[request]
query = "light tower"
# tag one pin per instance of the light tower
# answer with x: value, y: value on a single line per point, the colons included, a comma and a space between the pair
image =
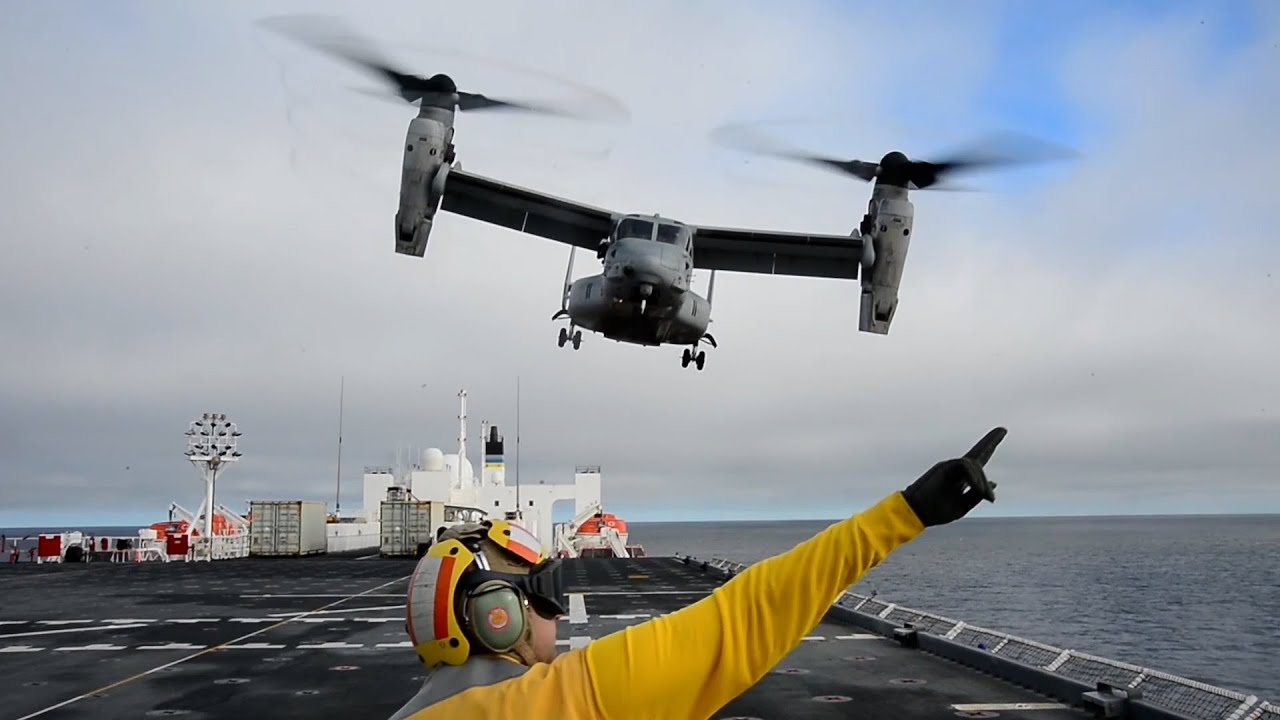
x: 211, y: 443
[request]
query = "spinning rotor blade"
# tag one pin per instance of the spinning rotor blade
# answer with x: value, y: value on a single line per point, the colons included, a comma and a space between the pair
x: 895, y: 168
x: 331, y: 36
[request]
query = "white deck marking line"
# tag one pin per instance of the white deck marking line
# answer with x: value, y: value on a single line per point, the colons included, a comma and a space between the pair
x: 344, y: 610
x: 14, y: 622
x: 562, y: 642
x: 190, y: 621
x: 330, y: 595
x: 366, y: 557
x: 579, y: 641
x: 19, y: 649
x: 859, y: 636
x: 255, y: 646
x: 814, y: 637
x: 172, y: 646
x: 93, y: 646
x: 332, y: 645
x: 984, y: 707
x: 577, y: 609
x: 634, y: 616
x: 200, y: 653
x: 130, y: 620
x: 401, y: 644
x: 31, y: 633
x: 62, y: 622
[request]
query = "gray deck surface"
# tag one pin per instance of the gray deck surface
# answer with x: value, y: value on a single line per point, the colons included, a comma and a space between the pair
x: 324, y: 637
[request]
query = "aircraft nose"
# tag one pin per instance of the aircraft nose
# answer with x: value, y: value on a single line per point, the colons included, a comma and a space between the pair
x: 646, y: 264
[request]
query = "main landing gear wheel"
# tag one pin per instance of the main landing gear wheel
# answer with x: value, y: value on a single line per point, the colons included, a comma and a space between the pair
x: 564, y: 338
x: 698, y: 359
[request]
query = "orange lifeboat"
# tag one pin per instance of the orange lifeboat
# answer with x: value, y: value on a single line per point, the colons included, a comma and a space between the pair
x: 593, y: 524
x: 179, y: 527
x: 591, y: 541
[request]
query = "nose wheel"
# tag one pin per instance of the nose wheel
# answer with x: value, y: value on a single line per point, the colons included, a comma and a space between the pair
x: 698, y: 358
x: 565, y: 337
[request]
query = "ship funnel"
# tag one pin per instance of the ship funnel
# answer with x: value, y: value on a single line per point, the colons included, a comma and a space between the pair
x: 494, y: 463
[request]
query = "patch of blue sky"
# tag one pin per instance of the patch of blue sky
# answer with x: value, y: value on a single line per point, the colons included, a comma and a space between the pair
x: 1024, y: 89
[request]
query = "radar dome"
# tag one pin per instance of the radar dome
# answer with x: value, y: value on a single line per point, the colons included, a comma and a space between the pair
x: 451, y: 463
x: 433, y: 459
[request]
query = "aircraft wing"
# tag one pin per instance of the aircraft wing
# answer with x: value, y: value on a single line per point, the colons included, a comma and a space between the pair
x: 777, y: 253
x: 528, y: 211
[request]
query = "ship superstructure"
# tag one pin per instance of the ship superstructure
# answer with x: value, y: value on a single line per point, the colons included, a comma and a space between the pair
x: 402, y: 511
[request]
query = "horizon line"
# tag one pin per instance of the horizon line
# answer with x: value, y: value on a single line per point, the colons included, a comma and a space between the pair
x: 983, y: 518
x: 838, y: 519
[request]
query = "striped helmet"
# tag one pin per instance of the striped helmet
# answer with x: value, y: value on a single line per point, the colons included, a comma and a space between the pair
x: 465, y: 556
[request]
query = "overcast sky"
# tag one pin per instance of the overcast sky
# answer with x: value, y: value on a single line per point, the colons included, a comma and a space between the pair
x: 198, y: 215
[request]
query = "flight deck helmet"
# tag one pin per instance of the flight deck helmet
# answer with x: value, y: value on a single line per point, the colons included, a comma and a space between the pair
x: 474, y: 590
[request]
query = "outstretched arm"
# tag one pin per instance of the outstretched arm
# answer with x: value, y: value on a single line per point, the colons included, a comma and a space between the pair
x: 690, y: 663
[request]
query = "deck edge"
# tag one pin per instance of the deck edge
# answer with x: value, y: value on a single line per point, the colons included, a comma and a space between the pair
x: 1105, y: 699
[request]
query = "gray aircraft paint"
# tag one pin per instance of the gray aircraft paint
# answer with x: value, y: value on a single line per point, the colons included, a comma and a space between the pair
x: 643, y: 294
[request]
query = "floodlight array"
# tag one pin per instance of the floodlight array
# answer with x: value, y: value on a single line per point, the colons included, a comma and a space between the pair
x: 212, y: 437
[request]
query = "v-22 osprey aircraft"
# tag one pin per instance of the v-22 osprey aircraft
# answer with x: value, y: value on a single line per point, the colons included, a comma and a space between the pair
x: 643, y: 294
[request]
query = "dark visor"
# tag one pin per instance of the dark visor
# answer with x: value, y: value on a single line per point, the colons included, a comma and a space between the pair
x: 542, y: 586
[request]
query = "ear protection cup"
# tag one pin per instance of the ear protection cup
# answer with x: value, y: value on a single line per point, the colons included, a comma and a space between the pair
x: 495, y: 615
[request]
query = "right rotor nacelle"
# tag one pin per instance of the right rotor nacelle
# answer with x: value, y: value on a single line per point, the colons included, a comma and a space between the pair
x: 888, y: 228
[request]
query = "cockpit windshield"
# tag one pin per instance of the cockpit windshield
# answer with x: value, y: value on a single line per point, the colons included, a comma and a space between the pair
x: 635, y: 228
x: 671, y: 234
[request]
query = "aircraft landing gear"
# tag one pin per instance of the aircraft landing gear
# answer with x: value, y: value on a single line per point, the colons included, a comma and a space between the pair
x: 698, y: 358
x: 565, y: 337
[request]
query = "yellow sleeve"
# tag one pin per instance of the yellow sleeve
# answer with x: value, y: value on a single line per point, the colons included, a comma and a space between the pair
x: 692, y: 662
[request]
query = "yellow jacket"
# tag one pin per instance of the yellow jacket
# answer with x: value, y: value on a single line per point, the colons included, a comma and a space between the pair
x: 692, y: 662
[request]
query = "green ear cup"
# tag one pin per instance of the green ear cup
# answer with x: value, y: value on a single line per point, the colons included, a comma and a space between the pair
x: 497, y: 617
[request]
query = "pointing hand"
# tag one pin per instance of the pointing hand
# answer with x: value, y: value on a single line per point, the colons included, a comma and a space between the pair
x: 951, y: 488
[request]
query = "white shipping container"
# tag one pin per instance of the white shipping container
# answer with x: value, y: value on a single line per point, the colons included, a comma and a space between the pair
x: 287, y: 527
x: 405, y: 525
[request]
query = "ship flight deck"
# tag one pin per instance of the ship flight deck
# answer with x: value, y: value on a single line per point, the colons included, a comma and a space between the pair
x: 324, y: 637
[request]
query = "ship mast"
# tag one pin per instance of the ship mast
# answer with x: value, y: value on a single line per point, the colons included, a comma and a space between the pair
x: 517, y: 508
x: 337, y: 499
x: 462, y: 434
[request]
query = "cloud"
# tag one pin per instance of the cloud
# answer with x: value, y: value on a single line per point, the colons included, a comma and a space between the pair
x: 204, y: 223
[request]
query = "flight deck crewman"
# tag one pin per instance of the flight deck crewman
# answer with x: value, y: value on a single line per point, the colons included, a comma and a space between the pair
x: 483, y: 605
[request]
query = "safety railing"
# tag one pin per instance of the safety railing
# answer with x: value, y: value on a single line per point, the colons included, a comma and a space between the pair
x: 1169, y: 692
x: 1265, y: 711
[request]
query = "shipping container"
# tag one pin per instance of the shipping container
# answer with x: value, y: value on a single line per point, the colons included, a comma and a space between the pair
x: 406, y: 527
x: 286, y: 527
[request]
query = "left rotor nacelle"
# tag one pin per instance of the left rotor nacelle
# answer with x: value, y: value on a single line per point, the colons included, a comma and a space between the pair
x: 428, y: 153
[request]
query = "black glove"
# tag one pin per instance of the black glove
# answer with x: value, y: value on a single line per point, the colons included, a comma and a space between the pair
x: 950, y: 489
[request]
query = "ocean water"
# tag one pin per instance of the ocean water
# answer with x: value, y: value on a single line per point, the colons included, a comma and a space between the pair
x: 1198, y: 597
